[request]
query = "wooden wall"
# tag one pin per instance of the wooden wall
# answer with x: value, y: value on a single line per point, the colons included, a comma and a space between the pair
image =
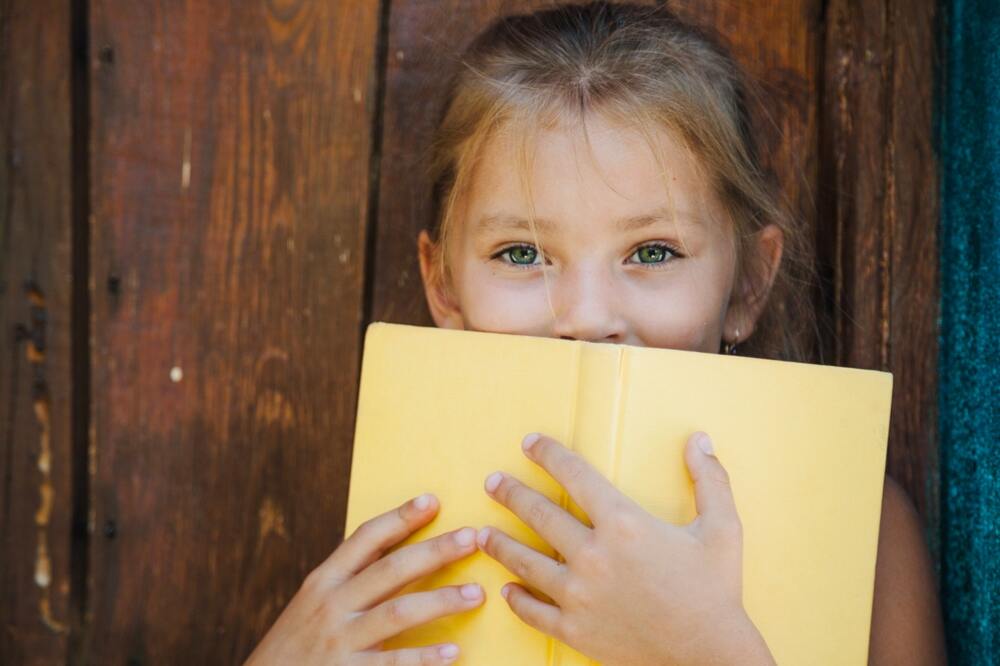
x: 202, y: 205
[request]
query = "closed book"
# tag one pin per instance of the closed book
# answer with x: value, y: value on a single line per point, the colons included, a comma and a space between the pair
x: 804, y: 445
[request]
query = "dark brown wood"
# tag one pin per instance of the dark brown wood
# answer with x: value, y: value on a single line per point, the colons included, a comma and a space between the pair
x: 877, y: 235
x: 776, y: 44
x: 425, y: 40
x: 230, y: 169
x: 36, y: 389
x: 912, y: 214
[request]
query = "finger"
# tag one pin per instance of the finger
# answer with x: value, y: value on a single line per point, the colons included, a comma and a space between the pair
x: 372, y: 538
x: 432, y: 655
x: 597, y: 496
x: 398, y: 614
x: 549, y: 520
x: 713, y: 493
x: 537, y: 569
x: 399, y: 568
x: 533, y: 611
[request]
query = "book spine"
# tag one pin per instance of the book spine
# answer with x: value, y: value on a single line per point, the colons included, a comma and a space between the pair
x: 593, y: 432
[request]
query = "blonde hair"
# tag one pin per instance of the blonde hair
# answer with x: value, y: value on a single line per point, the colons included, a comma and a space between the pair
x: 645, y: 67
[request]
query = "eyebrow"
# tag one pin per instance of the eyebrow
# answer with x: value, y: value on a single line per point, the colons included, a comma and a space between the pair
x: 506, y: 222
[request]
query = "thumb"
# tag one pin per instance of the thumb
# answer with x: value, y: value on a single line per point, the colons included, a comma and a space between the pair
x: 713, y: 494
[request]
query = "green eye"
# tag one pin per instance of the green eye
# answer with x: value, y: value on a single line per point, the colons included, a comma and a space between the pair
x: 651, y: 254
x: 522, y: 255
x: 654, y: 254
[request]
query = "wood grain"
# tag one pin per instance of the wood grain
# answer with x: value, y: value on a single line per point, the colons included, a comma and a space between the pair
x: 36, y: 389
x: 425, y: 41
x: 230, y: 165
x: 877, y: 234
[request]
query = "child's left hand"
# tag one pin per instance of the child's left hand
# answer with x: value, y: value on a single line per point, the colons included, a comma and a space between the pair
x: 633, y: 589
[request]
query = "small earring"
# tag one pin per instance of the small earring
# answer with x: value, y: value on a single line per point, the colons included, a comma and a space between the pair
x: 730, y: 347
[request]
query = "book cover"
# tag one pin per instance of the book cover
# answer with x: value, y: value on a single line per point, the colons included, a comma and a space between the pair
x: 804, y: 446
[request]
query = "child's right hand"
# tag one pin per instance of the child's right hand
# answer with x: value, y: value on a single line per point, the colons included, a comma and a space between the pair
x: 342, y: 612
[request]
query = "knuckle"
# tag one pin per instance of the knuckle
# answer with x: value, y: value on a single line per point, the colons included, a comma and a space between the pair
x: 575, y: 468
x: 313, y: 579
x: 325, y: 613
x: 332, y: 644
x: 524, y: 566
x: 366, y: 530
x: 512, y: 492
x: 496, y: 544
x: 627, y: 526
x: 573, y: 592
x: 733, y: 526
x: 727, y: 530
x: 718, y: 474
x: 566, y: 629
x: 391, y: 566
x: 316, y: 580
x: 398, y: 612
x: 538, y: 512
x: 442, y: 546
x: 591, y: 560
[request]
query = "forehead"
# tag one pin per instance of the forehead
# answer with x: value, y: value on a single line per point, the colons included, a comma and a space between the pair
x: 588, y: 169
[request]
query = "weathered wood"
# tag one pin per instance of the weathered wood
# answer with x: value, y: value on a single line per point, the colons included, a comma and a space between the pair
x: 36, y: 389
x: 877, y: 235
x: 776, y: 44
x: 425, y: 40
x: 230, y: 168
x: 912, y: 213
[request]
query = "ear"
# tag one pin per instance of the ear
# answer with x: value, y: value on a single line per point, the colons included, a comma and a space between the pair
x: 750, y: 291
x: 440, y: 302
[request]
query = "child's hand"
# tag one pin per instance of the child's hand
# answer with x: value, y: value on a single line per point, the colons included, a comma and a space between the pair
x: 341, y: 614
x: 633, y: 589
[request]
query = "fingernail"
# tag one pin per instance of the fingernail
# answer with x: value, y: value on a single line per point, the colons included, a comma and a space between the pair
x: 704, y: 443
x: 470, y: 591
x: 505, y: 590
x: 482, y: 537
x: 422, y: 502
x: 529, y: 441
x: 465, y: 536
x: 448, y: 651
x: 492, y: 481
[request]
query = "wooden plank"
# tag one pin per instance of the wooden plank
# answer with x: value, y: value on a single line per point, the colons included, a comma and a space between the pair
x: 912, y: 213
x: 425, y: 39
x: 230, y: 169
x: 776, y: 42
x: 36, y: 389
x: 878, y: 229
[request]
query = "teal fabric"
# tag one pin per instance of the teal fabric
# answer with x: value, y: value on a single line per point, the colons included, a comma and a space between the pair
x: 968, y: 124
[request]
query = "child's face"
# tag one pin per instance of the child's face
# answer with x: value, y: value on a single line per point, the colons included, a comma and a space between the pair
x: 619, y: 269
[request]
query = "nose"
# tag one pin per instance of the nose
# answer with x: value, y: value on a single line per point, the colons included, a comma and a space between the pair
x: 587, y: 306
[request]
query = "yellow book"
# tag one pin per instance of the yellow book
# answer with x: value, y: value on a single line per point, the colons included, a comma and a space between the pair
x: 804, y: 445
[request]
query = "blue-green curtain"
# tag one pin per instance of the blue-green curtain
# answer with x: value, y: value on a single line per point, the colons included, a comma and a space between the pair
x: 968, y: 139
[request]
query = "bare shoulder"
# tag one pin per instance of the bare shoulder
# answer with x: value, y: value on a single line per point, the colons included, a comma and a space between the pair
x: 906, y: 615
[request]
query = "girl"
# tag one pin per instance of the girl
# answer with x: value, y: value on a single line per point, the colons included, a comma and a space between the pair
x: 597, y: 179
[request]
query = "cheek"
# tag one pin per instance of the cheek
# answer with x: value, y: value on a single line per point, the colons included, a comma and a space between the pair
x: 684, y: 313
x: 502, y: 305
